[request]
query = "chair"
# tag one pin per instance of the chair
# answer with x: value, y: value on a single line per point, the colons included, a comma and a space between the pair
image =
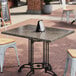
x: 66, y: 11
x: 4, y: 44
x: 71, y: 58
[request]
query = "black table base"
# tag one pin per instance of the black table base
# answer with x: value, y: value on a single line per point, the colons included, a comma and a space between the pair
x: 47, y: 67
x: 73, y: 21
x: 44, y: 65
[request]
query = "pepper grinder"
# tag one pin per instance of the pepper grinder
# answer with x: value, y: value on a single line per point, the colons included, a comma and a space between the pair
x: 40, y: 26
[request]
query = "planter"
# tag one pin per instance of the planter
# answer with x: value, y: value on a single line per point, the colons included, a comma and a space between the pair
x: 47, y: 9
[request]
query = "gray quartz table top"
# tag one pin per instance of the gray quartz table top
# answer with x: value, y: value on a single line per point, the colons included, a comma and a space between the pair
x: 29, y: 31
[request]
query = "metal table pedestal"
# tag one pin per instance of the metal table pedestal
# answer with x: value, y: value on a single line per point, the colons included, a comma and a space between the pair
x: 44, y: 65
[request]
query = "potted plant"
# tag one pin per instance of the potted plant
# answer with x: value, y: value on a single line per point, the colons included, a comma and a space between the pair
x: 10, y: 3
x: 47, y: 7
x: 0, y: 12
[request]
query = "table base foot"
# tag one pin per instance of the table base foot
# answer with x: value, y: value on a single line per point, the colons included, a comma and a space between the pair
x: 48, y: 69
x: 73, y: 21
x: 30, y: 72
x: 20, y: 69
x: 51, y: 73
x: 23, y: 66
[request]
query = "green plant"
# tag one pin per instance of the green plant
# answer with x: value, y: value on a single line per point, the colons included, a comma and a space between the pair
x: 0, y: 12
x: 47, y: 1
x: 9, y: 0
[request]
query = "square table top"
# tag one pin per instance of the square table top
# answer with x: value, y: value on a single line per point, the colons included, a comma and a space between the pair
x: 29, y: 31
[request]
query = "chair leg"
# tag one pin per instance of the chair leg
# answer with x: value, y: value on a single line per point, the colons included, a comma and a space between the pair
x: 16, y: 54
x: 67, y: 16
x: 62, y: 16
x: 73, y: 69
x: 2, y: 53
x: 1, y: 61
x: 66, y: 66
x: 75, y: 17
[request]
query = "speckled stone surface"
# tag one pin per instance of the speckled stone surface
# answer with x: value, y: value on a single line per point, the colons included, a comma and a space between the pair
x: 29, y: 31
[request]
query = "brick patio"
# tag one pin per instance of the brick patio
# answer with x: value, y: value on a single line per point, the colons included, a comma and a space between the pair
x: 58, y: 48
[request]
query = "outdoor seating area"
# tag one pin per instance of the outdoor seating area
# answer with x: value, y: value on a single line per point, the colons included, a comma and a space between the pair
x: 46, y: 52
